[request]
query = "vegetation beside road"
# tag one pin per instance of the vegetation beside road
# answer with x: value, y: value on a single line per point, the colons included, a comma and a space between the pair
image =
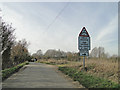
x: 7, y: 72
x: 12, y: 52
x: 98, y: 71
x: 88, y: 80
x: 53, y: 61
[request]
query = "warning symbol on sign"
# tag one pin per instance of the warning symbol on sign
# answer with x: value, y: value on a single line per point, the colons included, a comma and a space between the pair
x: 84, y: 33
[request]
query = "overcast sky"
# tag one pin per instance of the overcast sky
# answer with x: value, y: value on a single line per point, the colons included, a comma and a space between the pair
x: 56, y: 25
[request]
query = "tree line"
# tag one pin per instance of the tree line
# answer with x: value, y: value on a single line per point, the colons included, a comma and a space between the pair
x: 96, y: 52
x: 13, y: 52
x: 55, y: 54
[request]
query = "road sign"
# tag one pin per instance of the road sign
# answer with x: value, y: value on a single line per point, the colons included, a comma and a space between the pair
x: 84, y: 52
x: 84, y: 44
x: 84, y: 33
x: 84, y: 40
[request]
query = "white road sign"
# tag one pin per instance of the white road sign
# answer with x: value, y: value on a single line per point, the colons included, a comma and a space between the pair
x: 84, y: 42
x: 84, y: 52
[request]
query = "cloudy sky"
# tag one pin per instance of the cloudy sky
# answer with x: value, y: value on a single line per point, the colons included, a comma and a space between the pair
x: 56, y: 25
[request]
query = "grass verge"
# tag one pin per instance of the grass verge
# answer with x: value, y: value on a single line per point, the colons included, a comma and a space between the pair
x: 7, y: 72
x: 88, y: 80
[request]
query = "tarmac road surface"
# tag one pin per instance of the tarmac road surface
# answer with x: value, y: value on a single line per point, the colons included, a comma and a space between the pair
x: 37, y: 75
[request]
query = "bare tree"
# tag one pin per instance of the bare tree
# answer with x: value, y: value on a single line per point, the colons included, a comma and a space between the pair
x: 7, y: 40
x: 51, y: 53
x: 69, y: 56
x: 94, y: 52
x: 39, y: 52
x: 19, y: 52
x: 99, y: 53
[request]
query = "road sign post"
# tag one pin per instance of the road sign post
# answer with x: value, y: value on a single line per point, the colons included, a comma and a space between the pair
x: 84, y: 44
x: 84, y: 62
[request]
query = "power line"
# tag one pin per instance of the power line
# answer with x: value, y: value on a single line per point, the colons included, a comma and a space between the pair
x: 57, y: 16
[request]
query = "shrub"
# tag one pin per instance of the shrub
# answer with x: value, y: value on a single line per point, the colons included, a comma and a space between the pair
x: 7, y: 72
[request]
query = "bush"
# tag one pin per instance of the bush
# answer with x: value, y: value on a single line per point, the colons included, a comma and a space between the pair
x: 7, y: 72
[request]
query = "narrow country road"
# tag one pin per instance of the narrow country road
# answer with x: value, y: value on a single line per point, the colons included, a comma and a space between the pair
x: 37, y: 75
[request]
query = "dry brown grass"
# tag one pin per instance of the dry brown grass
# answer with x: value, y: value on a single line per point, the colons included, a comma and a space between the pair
x: 53, y: 61
x: 100, y: 67
x: 104, y: 68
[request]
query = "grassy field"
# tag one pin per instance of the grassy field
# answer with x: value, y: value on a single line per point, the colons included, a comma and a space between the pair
x: 101, y: 68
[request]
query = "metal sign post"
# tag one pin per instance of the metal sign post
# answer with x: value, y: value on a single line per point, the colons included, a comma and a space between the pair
x: 84, y: 44
x: 84, y: 62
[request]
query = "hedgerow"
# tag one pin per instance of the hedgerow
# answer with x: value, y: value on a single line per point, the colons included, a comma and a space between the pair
x: 7, y: 72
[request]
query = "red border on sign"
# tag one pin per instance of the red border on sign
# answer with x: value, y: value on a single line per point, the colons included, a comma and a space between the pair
x: 84, y: 35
